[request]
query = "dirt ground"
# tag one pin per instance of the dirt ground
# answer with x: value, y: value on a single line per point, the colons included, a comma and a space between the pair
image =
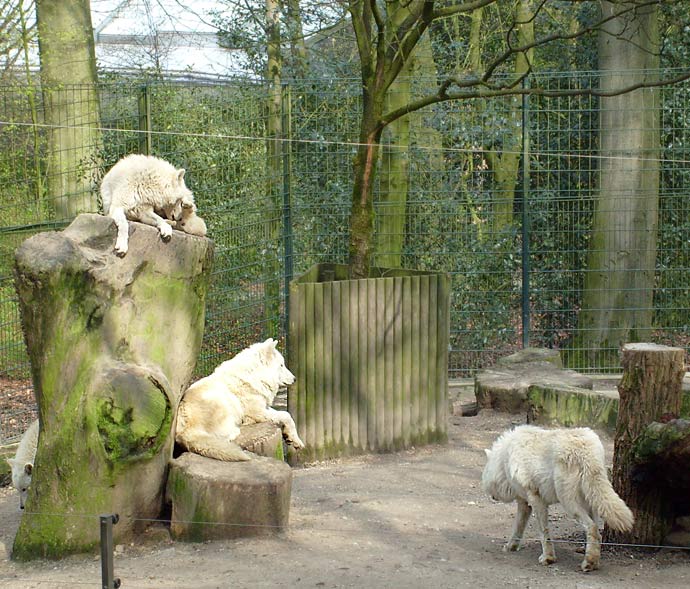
x: 414, y: 519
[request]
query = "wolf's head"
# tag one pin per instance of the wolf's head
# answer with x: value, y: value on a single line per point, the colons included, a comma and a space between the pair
x: 180, y: 196
x: 190, y: 222
x: 21, y: 478
x: 274, y: 361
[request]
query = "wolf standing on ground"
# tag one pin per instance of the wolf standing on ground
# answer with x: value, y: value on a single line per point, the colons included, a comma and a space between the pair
x: 238, y: 392
x: 23, y: 462
x: 539, y: 467
x: 142, y: 188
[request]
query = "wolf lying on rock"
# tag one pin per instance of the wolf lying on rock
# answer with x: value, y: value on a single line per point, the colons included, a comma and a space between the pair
x: 238, y: 392
x: 150, y: 190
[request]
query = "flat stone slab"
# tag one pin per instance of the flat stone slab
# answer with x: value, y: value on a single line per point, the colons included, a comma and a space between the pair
x: 505, y: 387
x: 531, y: 381
x: 214, y: 500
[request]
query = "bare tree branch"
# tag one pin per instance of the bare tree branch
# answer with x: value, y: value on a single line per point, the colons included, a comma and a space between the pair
x: 482, y: 91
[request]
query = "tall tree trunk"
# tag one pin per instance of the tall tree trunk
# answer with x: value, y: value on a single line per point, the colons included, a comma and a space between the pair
x: 619, y: 283
x: 505, y: 163
x: 298, y: 49
x: 366, y: 160
x: 394, y: 185
x: 274, y: 167
x: 650, y: 390
x: 68, y: 75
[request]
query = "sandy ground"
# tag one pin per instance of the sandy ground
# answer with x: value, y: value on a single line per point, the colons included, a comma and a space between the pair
x: 414, y: 519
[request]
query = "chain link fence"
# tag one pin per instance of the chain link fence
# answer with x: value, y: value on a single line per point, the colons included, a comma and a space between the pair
x: 453, y: 195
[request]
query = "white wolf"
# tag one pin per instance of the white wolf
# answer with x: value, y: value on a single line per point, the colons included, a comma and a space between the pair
x: 538, y: 467
x: 23, y: 462
x: 238, y: 392
x: 150, y: 190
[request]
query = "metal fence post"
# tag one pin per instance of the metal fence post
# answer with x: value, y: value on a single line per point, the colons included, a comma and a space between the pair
x: 145, y: 126
x: 108, y: 580
x: 525, y: 216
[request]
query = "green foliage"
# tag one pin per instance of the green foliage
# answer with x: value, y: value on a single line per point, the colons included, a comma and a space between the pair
x: 217, y: 132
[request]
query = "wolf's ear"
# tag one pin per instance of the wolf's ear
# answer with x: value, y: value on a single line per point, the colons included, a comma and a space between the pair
x: 180, y: 175
x: 28, y: 468
x: 487, y: 452
x: 270, y: 342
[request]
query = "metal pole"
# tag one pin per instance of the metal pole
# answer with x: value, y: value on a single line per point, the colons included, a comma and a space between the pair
x: 108, y: 580
x: 145, y: 123
x: 286, y: 150
x: 525, y: 217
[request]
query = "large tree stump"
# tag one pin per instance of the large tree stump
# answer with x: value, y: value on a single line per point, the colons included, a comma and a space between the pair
x: 650, y: 390
x: 113, y: 343
x: 213, y: 500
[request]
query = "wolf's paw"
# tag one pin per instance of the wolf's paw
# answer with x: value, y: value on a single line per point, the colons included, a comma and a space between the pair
x: 511, y: 546
x: 166, y: 231
x: 120, y: 249
x: 547, y: 559
x: 296, y: 443
x: 589, y: 565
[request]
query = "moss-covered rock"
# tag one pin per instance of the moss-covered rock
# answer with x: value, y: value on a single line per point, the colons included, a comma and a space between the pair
x: 572, y: 407
x: 113, y: 343
x: 505, y: 387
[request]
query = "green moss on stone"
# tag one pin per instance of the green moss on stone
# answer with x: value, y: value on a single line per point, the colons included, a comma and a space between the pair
x: 658, y: 437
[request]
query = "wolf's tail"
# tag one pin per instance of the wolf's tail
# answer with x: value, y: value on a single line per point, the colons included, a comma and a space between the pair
x: 211, y: 446
x: 606, y: 501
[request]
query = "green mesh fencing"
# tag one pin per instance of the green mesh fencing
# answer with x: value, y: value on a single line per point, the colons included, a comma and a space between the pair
x: 453, y: 195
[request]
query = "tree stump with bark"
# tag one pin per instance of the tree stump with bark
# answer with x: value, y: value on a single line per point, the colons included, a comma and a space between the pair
x: 214, y: 500
x: 113, y: 343
x: 650, y: 391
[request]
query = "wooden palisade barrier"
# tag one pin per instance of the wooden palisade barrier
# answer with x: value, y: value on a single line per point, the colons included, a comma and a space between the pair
x: 371, y: 360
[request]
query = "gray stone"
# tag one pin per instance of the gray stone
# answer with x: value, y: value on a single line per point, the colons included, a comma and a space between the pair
x: 505, y: 387
x: 530, y: 355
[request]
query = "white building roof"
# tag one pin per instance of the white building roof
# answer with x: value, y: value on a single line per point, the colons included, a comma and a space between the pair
x: 170, y: 35
x: 173, y: 36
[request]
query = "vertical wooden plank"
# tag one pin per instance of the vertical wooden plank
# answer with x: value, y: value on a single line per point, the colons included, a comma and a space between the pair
x: 364, y: 396
x: 296, y: 355
x: 423, y: 303
x: 388, y: 364
x: 408, y: 358
x: 304, y: 367
x: 432, y: 352
x: 415, y: 365
x: 399, y: 362
x: 336, y: 350
x: 327, y: 363
x: 345, y: 360
x: 442, y: 357
x: 318, y: 367
x: 375, y: 391
x: 309, y: 362
x: 355, y: 369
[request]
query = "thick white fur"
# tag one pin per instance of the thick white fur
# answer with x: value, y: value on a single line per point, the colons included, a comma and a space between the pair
x: 23, y: 462
x: 538, y: 467
x: 142, y: 188
x: 238, y: 392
